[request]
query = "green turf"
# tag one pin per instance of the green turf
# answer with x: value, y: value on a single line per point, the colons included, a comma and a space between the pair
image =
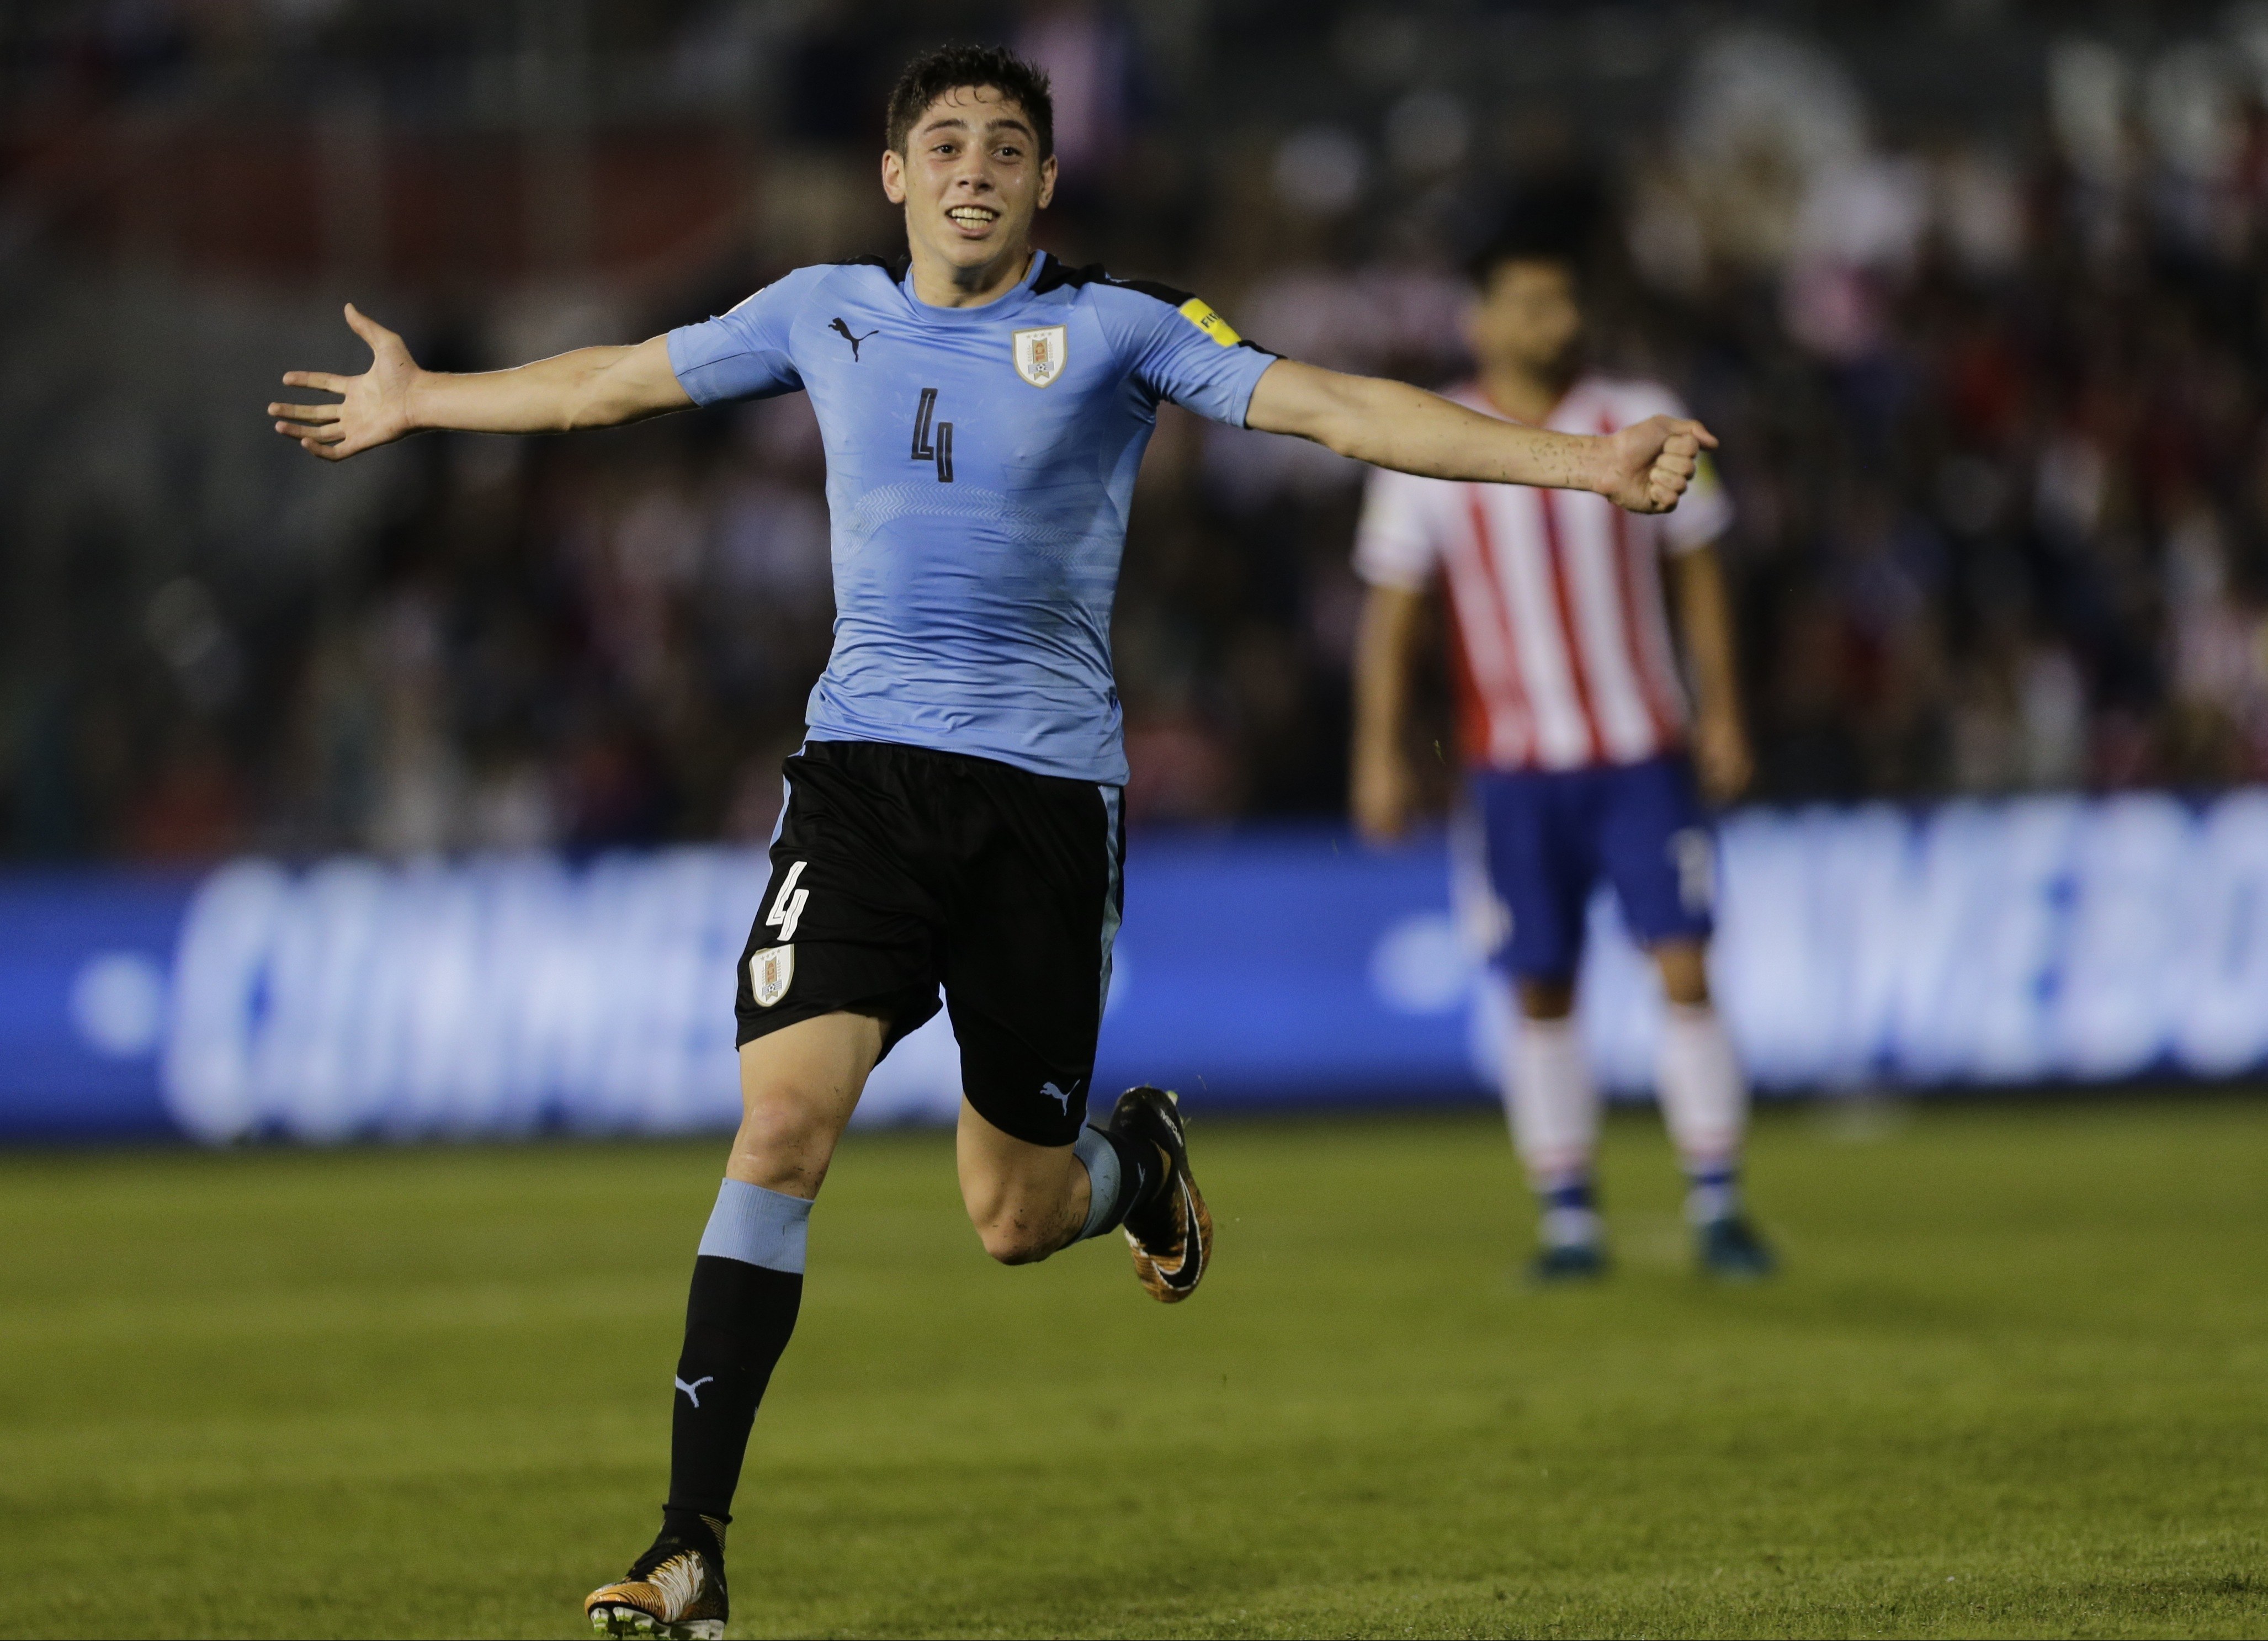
x: 2012, y: 1382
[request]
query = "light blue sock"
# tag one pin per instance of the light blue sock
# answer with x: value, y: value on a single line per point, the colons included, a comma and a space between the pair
x: 1713, y: 1193
x: 757, y: 1228
x: 1104, y: 1174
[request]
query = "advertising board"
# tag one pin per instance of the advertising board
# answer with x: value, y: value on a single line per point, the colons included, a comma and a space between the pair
x: 1974, y: 945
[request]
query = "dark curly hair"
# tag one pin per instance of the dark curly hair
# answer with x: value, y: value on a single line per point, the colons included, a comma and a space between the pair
x: 1555, y: 222
x: 950, y: 67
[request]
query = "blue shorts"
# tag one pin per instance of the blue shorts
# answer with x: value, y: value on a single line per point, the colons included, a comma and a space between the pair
x: 1553, y: 836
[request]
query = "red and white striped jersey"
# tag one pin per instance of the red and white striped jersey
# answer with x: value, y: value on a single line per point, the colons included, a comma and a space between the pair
x: 1563, y: 654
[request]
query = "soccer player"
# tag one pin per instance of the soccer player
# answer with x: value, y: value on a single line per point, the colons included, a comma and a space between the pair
x: 1575, y: 728
x: 955, y: 817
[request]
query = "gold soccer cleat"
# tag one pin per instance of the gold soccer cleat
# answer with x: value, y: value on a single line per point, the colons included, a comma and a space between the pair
x: 1170, y: 1236
x: 675, y: 1590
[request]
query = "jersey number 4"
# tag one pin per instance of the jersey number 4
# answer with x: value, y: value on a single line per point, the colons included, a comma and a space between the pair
x: 787, y: 905
x: 939, y: 449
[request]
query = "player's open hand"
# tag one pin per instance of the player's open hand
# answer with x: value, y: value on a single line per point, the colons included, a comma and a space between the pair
x: 373, y: 407
x: 1653, y: 460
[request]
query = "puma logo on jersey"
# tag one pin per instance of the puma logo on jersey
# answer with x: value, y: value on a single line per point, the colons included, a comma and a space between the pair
x: 1057, y: 1095
x: 693, y: 1390
x: 843, y: 331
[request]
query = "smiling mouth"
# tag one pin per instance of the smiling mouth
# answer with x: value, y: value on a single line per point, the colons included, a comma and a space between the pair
x: 973, y: 216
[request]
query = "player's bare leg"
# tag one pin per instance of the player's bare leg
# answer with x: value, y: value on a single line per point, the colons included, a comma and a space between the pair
x: 799, y: 1085
x: 1028, y: 1201
x: 1705, y: 1102
x: 798, y: 1088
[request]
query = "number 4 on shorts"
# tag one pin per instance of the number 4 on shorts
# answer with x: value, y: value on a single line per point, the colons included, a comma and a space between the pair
x: 787, y: 905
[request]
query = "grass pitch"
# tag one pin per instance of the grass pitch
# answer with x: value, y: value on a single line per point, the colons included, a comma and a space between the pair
x: 2012, y: 1383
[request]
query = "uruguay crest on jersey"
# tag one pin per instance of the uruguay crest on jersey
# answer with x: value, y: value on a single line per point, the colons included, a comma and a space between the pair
x: 770, y: 973
x: 1040, y: 353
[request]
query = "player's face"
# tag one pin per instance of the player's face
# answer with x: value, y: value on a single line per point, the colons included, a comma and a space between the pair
x: 971, y: 177
x: 1528, y: 317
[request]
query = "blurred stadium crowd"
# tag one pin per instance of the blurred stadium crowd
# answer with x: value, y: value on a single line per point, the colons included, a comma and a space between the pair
x: 1973, y: 294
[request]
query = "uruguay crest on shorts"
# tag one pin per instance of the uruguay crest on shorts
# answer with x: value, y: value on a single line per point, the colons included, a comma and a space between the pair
x: 770, y: 973
x: 1039, y: 354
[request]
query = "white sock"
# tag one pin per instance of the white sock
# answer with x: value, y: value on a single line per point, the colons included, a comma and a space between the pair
x: 1552, y: 1106
x: 1704, y: 1101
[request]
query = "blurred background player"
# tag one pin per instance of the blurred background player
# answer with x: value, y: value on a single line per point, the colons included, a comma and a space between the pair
x: 1580, y: 747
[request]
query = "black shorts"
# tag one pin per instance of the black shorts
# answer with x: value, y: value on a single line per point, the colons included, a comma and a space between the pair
x: 897, y: 869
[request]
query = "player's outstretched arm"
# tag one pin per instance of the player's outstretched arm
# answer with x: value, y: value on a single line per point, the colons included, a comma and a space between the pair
x: 1645, y: 468
x: 589, y: 387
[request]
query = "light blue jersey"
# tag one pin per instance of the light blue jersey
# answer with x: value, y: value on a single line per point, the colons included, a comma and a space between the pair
x: 980, y: 465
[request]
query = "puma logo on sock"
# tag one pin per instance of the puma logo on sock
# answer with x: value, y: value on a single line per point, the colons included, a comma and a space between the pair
x: 693, y: 1390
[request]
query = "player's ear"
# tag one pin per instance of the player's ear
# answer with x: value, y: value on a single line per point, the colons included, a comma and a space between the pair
x: 1047, y: 181
x: 893, y: 177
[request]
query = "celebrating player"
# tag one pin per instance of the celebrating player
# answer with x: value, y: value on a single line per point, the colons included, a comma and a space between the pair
x: 955, y: 817
x: 1574, y: 727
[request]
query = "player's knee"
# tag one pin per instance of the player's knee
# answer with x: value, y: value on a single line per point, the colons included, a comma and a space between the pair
x: 1684, y: 968
x: 788, y: 1148
x: 1014, y: 1240
x: 1547, y: 999
x: 1012, y: 1222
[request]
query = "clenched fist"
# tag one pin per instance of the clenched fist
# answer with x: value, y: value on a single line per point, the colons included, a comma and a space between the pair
x: 1651, y: 462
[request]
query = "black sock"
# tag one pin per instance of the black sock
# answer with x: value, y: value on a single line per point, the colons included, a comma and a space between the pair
x: 737, y: 1321
x: 689, y: 1526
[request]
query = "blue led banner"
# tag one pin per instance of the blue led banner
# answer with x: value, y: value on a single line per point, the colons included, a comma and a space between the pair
x: 2051, y: 938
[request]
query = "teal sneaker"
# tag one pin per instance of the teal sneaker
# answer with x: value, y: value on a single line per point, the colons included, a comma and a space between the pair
x: 1567, y: 1263
x: 1730, y: 1251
